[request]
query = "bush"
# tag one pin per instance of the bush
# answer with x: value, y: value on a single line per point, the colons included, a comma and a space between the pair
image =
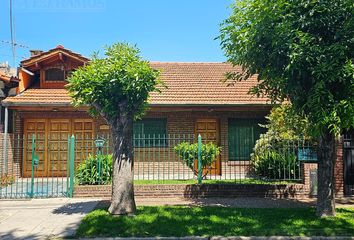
x: 189, y: 154
x: 6, y: 180
x: 275, y: 160
x: 87, y: 172
x: 275, y: 153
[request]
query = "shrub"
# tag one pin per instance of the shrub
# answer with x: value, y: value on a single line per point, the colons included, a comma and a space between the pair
x: 87, y: 172
x: 275, y: 159
x: 275, y: 153
x: 6, y: 180
x: 189, y: 154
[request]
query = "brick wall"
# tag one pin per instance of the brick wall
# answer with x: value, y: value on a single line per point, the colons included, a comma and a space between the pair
x: 163, y: 162
x: 14, y: 150
x: 339, y: 169
x: 180, y: 124
x: 197, y: 191
x: 11, y: 165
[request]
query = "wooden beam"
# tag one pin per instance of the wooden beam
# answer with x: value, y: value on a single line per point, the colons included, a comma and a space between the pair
x: 27, y: 71
x: 61, y: 57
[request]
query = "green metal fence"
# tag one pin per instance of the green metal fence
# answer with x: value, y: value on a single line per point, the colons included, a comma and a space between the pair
x: 28, y: 172
x: 33, y: 166
x: 156, y: 161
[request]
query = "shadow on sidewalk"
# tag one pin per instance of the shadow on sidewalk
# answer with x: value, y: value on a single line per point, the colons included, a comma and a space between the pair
x: 252, y: 202
x: 75, y: 208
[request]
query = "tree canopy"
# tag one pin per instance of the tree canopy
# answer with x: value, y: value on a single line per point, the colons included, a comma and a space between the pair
x: 120, y: 78
x: 302, y: 50
x: 285, y: 124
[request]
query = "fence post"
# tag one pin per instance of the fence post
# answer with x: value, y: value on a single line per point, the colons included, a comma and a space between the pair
x: 68, y: 162
x: 32, y: 167
x: 199, y: 159
x: 72, y: 165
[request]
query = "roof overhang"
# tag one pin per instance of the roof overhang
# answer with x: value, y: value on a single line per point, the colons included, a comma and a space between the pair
x: 31, y: 106
x: 58, y: 52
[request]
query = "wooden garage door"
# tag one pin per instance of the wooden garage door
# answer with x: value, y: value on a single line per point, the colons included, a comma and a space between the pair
x: 37, y: 128
x: 52, y: 144
x: 209, y: 130
x: 83, y: 132
x: 58, y: 134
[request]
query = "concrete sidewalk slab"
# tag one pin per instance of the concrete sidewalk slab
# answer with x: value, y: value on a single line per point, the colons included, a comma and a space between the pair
x: 42, y: 218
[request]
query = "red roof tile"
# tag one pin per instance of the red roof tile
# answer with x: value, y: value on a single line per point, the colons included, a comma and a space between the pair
x: 187, y: 84
x: 202, y: 83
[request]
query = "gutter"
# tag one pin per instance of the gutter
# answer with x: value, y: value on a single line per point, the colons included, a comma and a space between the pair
x: 212, y: 105
x: 61, y: 104
x: 29, y: 104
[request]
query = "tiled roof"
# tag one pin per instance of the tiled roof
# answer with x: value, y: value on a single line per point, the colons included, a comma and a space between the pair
x: 8, y: 77
x: 35, y: 97
x: 202, y: 83
x: 187, y: 84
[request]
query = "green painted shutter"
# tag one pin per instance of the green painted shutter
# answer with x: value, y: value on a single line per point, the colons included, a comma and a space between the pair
x: 243, y: 134
x: 152, y: 131
x: 138, y: 133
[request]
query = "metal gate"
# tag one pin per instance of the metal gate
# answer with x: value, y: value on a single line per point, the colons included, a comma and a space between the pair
x: 27, y: 171
x: 348, y: 164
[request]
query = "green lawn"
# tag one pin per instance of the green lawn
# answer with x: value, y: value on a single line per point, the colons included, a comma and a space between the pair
x: 211, y: 181
x: 215, y: 221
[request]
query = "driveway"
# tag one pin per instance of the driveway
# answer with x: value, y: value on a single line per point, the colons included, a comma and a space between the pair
x: 42, y: 218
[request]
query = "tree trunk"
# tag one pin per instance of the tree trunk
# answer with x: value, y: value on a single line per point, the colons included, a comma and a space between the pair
x: 123, y: 201
x: 326, y: 159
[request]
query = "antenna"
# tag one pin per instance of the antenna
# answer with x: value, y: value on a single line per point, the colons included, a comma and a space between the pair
x: 12, y: 36
x: 12, y: 41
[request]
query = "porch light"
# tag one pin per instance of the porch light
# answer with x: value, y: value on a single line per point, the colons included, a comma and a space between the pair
x: 99, y: 142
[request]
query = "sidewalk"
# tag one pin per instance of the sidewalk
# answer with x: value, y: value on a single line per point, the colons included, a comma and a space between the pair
x: 245, y: 202
x: 42, y: 218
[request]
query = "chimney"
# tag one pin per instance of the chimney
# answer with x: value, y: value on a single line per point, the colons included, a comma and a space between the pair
x: 35, y: 52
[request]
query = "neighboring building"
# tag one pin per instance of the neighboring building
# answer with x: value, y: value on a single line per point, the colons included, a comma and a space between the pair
x: 8, y: 87
x: 196, y: 101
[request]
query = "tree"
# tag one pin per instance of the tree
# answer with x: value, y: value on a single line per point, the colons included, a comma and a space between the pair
x: 302, y: 50
x: 117, y: 88
x: 277, y: 149
x: 285, y: 124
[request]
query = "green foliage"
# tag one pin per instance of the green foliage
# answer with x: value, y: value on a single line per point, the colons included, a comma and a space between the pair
x: 274, y: 154
x: 87, y: 173
x: 6, y: 180
x: 302, y: 50
x: 189, y: 153
x: 119, y: 83
x: 285, y: 124
x: 275, y: 160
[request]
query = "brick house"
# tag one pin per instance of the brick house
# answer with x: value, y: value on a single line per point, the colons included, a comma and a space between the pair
x: 196, y: 101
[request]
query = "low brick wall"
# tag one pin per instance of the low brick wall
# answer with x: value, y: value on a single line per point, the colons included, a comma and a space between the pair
x: 197, y: 191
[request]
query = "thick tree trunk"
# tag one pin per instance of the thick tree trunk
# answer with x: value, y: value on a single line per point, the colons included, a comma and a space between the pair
x: 123, y: 201
x: 326, y: 160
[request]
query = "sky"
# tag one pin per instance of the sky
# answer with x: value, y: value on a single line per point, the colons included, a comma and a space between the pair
x: 164, y: 30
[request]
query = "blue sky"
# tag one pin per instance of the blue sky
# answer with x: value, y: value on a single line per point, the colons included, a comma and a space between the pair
x: 164, y: 30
